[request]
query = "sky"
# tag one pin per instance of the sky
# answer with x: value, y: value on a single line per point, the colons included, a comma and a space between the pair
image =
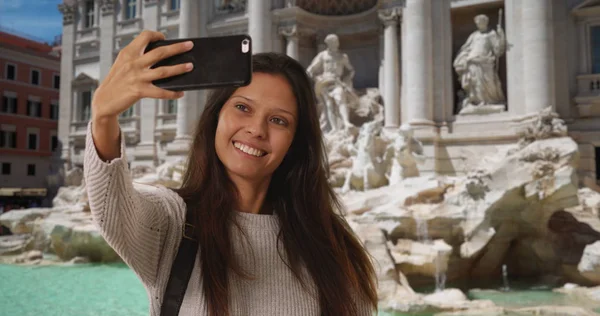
x: 39, y: 19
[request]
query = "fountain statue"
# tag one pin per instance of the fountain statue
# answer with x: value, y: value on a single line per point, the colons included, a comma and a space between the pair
x: 477, y: 68
x: 403, y: 154
x: 333, y: 73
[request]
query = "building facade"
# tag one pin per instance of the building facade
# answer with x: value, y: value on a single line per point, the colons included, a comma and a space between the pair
x: 29, y: 86
x: 409, y: 49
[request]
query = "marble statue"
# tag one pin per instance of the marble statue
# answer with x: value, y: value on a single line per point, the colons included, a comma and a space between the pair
x: 477, y: 68
x: 333, y: 74
x: 403, y: 156
x: 368, y: 169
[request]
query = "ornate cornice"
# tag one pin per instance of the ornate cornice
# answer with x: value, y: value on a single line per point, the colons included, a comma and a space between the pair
x: 68, y: 12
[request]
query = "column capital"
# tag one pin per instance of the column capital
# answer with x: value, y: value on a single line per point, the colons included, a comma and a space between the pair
x: 107, y: 7
x: 68, y: 12
x: 293, y: 31
x: 389, y: 16
x: 288, y: 30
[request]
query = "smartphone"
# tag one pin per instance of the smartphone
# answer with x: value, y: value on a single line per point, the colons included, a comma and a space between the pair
x: 220, y: 61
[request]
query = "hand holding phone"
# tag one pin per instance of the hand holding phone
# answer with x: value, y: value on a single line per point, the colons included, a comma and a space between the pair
x: 218, y: 62
x: 130, y: 77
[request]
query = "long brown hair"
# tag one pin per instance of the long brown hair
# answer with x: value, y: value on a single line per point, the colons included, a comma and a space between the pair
x: 313, y: 231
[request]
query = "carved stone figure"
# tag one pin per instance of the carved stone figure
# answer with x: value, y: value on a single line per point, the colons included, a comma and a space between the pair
x: 477, y: 68
x: 403, y: 156
x: 333, y: 74
x: 368, y: 169
x: 547, y: 124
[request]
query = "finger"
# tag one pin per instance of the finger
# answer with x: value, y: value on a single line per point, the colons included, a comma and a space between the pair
x: 167, y: 71
x: 152, y: 91
x: 139, y: 43
x: 152, y: 57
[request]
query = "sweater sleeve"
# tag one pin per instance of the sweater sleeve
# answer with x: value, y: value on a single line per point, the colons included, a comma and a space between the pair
x: 132, y: 218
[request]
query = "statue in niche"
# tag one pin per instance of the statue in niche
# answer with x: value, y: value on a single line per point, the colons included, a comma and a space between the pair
x: 403, y: 155
x: 477, y: 68
x: 333, y: 74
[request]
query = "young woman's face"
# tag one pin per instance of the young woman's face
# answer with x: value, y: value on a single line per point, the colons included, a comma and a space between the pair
x: 256, y: 127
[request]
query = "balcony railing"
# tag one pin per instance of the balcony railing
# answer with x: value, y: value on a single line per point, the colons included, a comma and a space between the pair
x: 88, y: 34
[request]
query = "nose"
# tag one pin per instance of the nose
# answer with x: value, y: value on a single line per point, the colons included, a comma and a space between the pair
x: 257, y: 127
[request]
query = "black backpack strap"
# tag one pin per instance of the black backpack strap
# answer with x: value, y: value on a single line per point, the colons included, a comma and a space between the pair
x: 181, y: 269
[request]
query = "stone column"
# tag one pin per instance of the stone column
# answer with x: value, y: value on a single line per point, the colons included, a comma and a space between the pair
x: 442, y: 91
x: 107, y: 37
x: 292, y: 48
x: 191, y: 24
x: 391, y: 74
x: 145, y: 151
x: 66, y: 102
x: 417, y: 57
x: 537, y: 54
x: 259, y: 25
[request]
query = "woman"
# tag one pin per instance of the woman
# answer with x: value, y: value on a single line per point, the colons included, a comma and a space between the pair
x: 270, y: 242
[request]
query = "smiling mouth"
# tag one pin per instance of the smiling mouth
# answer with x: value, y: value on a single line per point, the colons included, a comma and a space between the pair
x: 249, y: 150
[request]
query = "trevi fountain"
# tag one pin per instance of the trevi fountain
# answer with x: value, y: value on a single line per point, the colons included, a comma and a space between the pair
x: 517, y: 219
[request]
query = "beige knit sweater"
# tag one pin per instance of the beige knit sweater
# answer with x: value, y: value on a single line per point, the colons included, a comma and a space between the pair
x: 143, y: 223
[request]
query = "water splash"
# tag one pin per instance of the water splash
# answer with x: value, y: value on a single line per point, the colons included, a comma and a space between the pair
x: 422, y: 230
x: 423, y: 236
x: 506, y: 286
x: 440, y: 276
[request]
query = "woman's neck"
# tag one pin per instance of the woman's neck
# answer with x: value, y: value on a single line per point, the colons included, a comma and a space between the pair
x: 252, y: 196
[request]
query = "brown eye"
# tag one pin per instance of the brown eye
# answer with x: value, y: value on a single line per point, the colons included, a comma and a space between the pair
x: 241, y: 107
x: 279, y: 121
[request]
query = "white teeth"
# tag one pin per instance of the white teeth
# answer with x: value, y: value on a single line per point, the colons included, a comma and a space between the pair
x: 249, y: 150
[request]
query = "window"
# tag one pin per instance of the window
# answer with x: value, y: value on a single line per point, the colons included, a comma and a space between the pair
x: 130, y: 9
x: 9, y: 104
x: 89, y: 14
x: 597, y: 163
x: 54, y: 111
x: 8, y: 137
x: 11, y: 72
x: 595, y: 48
x: 31, y: 169
x: 172, y: 107
x: 35, y: 77
x: 34, y: 108
x: 174, y: 5
x: 32, y: 141
x: 86, y: 106
x: 54, y: 143
x: 56, y: 82
x: 6, y: 168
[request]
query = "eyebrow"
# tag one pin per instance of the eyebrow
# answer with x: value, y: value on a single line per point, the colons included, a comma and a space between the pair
x: 252, y: 101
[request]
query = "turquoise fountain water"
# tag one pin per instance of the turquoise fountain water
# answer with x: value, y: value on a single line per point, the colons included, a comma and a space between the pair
x: 80, y: 290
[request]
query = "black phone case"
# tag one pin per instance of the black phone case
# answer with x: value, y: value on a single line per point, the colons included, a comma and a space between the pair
x: 218, y: 62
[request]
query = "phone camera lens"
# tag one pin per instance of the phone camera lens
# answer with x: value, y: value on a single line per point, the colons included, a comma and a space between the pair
x: 245, y: 42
